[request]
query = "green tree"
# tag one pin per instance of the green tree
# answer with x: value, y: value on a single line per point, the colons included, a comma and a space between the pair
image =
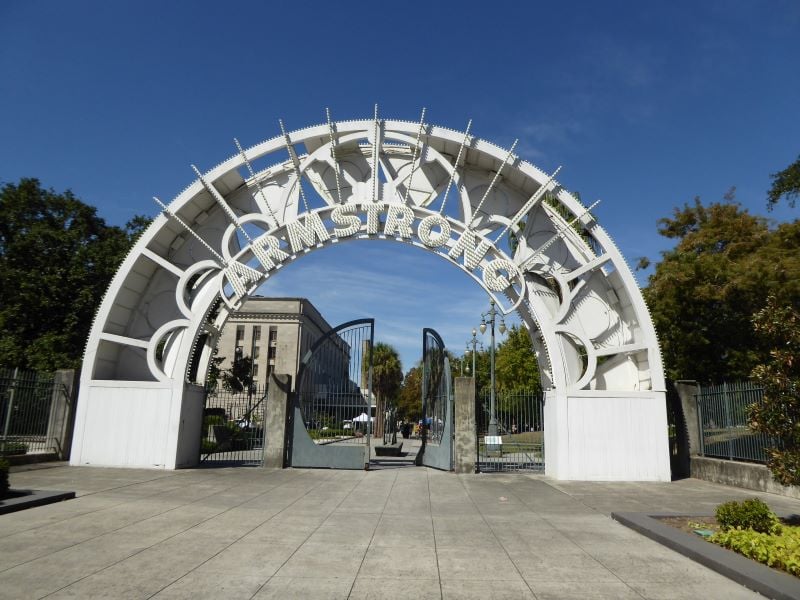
x: 704, y: 291
x: 778, y: 415
x: 409, y: 398
x: 57, y: 258
x: 387, y: 377
x: 516, y: 366
x: 238, y: 377
x: 785, y: 184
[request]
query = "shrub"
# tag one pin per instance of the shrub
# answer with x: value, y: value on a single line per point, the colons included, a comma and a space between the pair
x: 207, y: 446
x: 214, y: 420
x: 781, y: 551
x: 11, y: 448
x: 750, y: 514
x: 3, y: 477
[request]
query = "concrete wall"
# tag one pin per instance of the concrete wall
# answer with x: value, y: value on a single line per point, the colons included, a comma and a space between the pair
x: 742, y: 475
x: 464, y: 439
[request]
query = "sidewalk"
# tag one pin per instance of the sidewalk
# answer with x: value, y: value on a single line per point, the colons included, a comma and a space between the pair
x: 392, y: 533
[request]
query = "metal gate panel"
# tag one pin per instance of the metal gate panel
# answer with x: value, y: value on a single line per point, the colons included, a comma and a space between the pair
x: 519, y: 445
x: 233, y: 427
x: 437, y: 403
x: 331, y: 420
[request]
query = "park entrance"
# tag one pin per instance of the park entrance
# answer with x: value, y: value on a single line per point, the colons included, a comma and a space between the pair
x: 531, y: 245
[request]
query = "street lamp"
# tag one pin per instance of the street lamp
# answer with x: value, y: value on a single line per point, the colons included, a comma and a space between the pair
x: 474, y: 342
x: 490, y: 315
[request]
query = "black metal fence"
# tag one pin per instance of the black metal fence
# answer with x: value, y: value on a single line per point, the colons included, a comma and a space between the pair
x: 26, y: 399
x: 519, y: 443
x: 722, y: 415
x: 233, y: 427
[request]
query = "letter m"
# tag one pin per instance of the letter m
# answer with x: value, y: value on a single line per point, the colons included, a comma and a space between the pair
x: 308, y: 234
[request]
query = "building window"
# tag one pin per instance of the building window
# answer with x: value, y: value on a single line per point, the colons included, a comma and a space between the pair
x: 270, y: 369
x: 256, y: 333
x: 255, y: 371
x: 272, y: 352
x: 256, y: 352
x: 239, y: 334
x: 273, y: 334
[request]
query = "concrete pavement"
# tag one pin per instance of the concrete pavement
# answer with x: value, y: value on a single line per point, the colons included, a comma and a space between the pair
x: 392, y: 533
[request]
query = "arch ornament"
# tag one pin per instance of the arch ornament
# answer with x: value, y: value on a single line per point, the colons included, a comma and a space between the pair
x: 533, y: 246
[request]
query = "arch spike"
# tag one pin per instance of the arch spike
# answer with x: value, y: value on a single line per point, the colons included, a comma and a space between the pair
x: 560, y: 232
x: 526, y: 208
x: 221, y: 261
x: 494, y: 181
x: 221, y: 201
x: 333, y: 155
x: 257, y: 182
x: 414, y: 156
x: 295, y: 162
x: 455, y: 166
x: 376, y: 150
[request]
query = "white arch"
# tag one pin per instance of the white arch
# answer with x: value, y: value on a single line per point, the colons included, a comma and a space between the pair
x: 242, y: 220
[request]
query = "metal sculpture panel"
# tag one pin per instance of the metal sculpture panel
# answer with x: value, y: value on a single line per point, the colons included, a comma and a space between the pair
x: 533, y: 246
x: 332, y: 419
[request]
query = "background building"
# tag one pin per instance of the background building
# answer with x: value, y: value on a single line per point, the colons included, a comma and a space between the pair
x: 276, y: 332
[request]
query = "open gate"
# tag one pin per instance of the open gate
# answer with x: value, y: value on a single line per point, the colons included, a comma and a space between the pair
x: 233, y: 427
x: 331, y: 422
x: 437, y: 404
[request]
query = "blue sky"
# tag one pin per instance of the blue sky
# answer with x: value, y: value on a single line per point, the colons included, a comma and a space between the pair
x: 645, y: 105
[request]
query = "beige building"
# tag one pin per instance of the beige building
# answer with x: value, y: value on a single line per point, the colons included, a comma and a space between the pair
x: 277, y: 332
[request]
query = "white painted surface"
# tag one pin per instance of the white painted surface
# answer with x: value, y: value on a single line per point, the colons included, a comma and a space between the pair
x: 600, y: 437
x: 124, y: 427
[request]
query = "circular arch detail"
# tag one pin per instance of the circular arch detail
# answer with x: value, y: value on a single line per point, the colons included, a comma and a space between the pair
x: 533, y: 246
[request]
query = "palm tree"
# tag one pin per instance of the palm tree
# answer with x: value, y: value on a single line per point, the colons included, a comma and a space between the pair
x: 387, y: 377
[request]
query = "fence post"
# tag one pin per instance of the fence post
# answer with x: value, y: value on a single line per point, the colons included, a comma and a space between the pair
x: 688, y: 392
x: 59, y: 424
x: 276, y: 421
x: 10, y: 406
x: 466, y: 447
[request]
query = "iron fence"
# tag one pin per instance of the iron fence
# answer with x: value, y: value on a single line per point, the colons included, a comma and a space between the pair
x: 233, y: 427
x: 334, y: 388
x: 722, y: 420
x: 519, y: 445
x: 26, y: 398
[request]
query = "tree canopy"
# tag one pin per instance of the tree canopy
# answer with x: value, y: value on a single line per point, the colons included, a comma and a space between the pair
x: 785, y: 184
x: 57, y: 258
x: 704, y: 292
x: 387, y: 377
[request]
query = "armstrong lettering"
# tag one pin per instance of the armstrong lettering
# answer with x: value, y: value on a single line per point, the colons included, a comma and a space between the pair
x: 449, y: 238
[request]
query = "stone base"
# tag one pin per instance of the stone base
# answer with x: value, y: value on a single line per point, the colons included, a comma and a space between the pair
x: 391, y: 450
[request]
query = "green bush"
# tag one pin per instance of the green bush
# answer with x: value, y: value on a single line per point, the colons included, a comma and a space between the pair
x: 207, y: 446
x: 11, y: 448
x: 750, y: 514
x: 3, y: 477
x: 214, y: 420
x: 781, y: 550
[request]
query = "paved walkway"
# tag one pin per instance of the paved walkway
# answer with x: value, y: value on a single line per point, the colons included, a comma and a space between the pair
x: 395, y: 533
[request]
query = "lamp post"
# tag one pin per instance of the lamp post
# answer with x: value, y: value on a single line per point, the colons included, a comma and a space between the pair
x: 490, y: 316
x: 474, y: 342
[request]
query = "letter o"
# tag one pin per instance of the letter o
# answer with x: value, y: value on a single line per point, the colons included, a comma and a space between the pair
x: 494, y: 279
x: 426, y: 234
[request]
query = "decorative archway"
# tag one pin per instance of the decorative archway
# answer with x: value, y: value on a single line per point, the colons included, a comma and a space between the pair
x: 525, y: 239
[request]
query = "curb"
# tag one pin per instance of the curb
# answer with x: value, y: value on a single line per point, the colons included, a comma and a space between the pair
x: 31, y: 498
x: 747, y: 572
